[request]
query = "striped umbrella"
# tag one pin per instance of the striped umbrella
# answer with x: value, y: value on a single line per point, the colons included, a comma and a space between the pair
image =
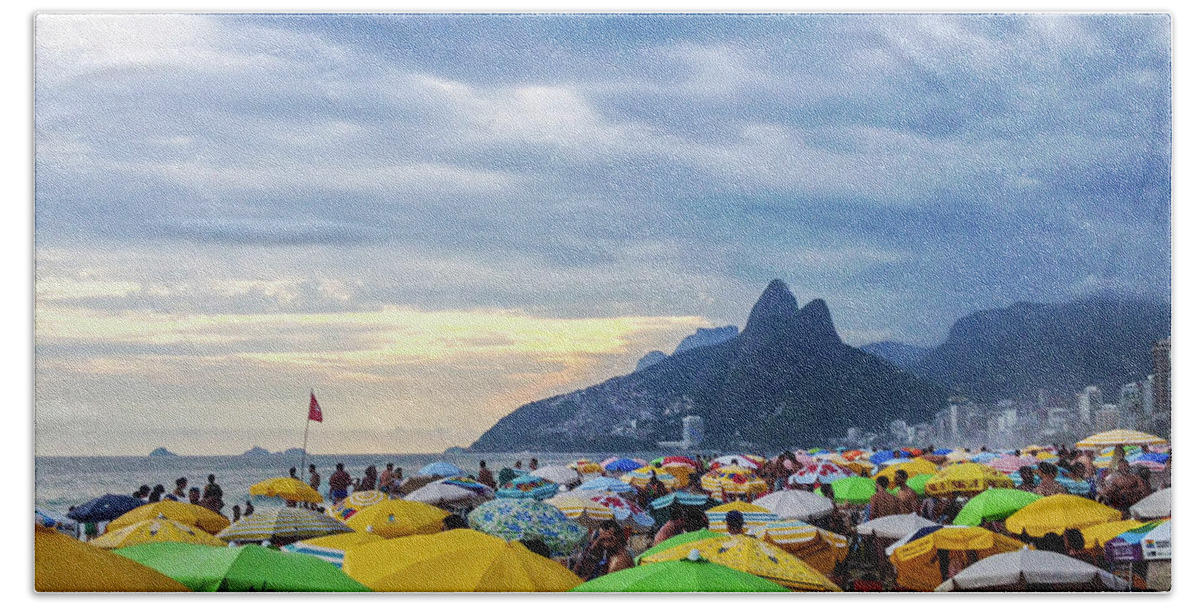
x: 528, y: 486
x: 587, y: 512
x: 332, y: 548
x: 586, y: 467
x: 1120, y: 437
x: 752, y: 515
x: 354, y: 503
x: 625, y: 511
x: 641, y: 477
x: 825, y: 472
x: 452, y: 492
x: 1149, y: 460
x: 733, y: 480
x: 281, y: 526
x: 819, y: 548
x: 607, y: 484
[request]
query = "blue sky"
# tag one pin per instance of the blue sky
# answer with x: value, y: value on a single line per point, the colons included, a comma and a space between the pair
x: 435, y: 218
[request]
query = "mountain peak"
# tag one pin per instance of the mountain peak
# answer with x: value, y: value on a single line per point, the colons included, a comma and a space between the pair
x: 817, y: 323
x: 775, y: 307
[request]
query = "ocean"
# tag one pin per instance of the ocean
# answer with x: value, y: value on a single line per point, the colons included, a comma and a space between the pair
x: 61, y: 482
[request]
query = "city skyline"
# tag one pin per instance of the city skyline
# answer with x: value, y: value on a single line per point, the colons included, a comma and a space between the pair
x: 434, y: 219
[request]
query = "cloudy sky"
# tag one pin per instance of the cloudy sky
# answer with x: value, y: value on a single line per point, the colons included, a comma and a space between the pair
x: 431, y: 220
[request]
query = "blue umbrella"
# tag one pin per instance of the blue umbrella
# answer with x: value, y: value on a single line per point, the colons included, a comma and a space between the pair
x: 684, y: 498
x: 441, y: 469
x: 105, y: 508
x: 607, y: 484
x: 528, y: 486
x: 882, y: 456
x: 942, y: 451
x: 623, y: 465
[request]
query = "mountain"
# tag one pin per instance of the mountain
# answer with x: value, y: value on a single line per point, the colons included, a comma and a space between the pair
x: 899, y: 354
x: 707, y: 337
x: 786, y: 380
x: 652, y: 357
x: 1014, y: 351
x: 162, y: 453
x: 256, y: 452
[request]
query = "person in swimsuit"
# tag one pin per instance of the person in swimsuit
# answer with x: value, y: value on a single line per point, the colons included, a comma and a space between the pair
x: 606, y: 554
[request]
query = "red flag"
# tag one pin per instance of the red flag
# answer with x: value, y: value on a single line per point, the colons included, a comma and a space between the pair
x: 314, y: 408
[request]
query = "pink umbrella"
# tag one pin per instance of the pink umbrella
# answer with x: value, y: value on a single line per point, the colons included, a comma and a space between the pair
x: 1008, y: 464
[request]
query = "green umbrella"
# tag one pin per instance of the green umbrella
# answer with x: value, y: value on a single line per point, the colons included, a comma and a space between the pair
x: 857, y: 490
x: 917, y: 483
x: 247, y: 568
x: 678, y: 539
x: 993, y: 504
x: 683, y: 575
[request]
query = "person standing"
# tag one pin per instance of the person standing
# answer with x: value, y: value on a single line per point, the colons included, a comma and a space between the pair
x: 485, y: 475
x: 314, y: 478
x: 370, y: 476
x: 338, y: 482
x: 909, y: 503
x: 213, y: 498
x: 1048, y: 486
x: 387, y: 477
x: 156, y: 493
x: 883, y: 503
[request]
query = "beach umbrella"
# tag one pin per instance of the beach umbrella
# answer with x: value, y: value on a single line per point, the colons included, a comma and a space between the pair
x: 455, y: 561
x: 804, y: 458
x: 640, y: 478
x: 1153, y: 506
x: 332, y: 548
x: 452, y: 492
x: 679, y: 539
x: 557, y: 474
x: 355, y: 502
x: 752, y: 556
x: 680, y: 460
x: 819, y: 548
x: 753, y: 515
x: 1095, y: 537
x: 587, y: 512
x: 796, y: 504
x: 686, y: 575
x: 287, y: 488
x: 1058, y: 513
x: 607, y: 484
x: 185, y: 513
x: 893, y: 527
x: 882, y: 456
x: 942, y: 451
x: 660, y: 508
x: 854, y: 454
x: 61, y: 563
x: 523, y: 518
x: 912, y: 467
x: 1030, y: 570
x: 984, y: 457
x: 825, y: 472
x: 1148, y: 541
x: 393, y: 518
x: 625, y: 511
x: 441, y: 469
x: 622, y: 465
x: 957, y: 456
x: 281, y: 526
x: 105, y: 508
x: 737, y: 460
x: 915, y: 557
x: 155, y: 530
x: 733, y: 480
x: 245, y: 568
x: 416, y: 482
x: 1009, y: 464
x: 993, y: 504
x: 528, y: 486
x: 1150, y: 460
x: 916, y: 483
x: 586, y: 467
x: 855, y: 490
x: 1119, y: 437
x: 965, y: 477
x: 52, y: 519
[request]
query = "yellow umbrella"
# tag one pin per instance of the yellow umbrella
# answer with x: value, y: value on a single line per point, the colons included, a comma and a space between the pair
x: 819, y: 548
x: 183, y: 512
x: 916, y: 467
x: 1058, y: 513
x: 1094, y: 537
x: 393, y: 518
x: 917, y: 564
x: 640, y: 478
x: 966, y: 477
x: 157, y: 530
x: 733, y: 480
x: 332, y: 548
x: 354, y: 503
x: 753, y: 515
x: 586, y: 467
x: 455, y: 561
x: 860, y: 466
x: 287, y: 488
x: 679, y: 470
x: 752, y: 556
x: 1120, y: 437
x: 61, y: 563
x: 587, y: 512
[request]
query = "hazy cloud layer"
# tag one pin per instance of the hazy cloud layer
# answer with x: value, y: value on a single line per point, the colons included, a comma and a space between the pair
x: 907, y: 168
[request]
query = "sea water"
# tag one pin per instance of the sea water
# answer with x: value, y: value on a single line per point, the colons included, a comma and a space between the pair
x: 61, y: 482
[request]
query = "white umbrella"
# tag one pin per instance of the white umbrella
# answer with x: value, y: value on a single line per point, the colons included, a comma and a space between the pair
x: 1154, y: 506
x: 894, y: 526
x: 558, y: 474
x: 796, y: 504
x: 1034, y: 570
x: 443, y: 493
x: 1156, y: 544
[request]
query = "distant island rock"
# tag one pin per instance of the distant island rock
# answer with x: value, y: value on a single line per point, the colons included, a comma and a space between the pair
x: 292, y: 453
x: 651, y: 358
x: 163, y: 453
x: 256, y: 452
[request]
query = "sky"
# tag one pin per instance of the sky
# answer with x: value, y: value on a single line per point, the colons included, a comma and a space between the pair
x: 430, y: 220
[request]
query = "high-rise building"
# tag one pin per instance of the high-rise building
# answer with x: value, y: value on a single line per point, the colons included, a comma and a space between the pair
x: 1107, y: 418
x: 693, y: 430
x: 1161, y: 356
x: 1088, y: 401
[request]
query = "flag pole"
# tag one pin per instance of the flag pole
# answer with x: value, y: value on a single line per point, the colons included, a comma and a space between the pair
x: 304, y: 450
